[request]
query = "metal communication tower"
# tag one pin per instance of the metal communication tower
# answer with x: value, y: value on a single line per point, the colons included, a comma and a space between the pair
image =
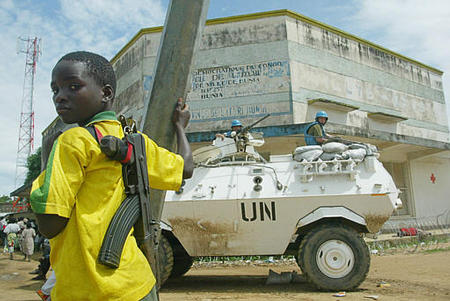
x: 26, y: 126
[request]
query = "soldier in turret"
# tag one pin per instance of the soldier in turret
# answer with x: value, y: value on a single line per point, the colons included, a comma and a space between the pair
x: 315, y: 133
x: 236, y: 126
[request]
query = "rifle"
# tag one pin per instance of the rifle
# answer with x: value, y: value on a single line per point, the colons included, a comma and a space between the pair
x: 135, y: 208
x: 249, y: 127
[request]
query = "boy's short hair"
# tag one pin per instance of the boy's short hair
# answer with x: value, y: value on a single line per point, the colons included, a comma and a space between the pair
x: 98, y: 67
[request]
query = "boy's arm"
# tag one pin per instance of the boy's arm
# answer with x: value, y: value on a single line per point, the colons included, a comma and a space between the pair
x: 180, y: 119
x: 57, y: 186
x: 51, y: 225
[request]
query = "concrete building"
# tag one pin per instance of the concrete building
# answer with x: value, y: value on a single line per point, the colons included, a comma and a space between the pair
x: 291, y: 66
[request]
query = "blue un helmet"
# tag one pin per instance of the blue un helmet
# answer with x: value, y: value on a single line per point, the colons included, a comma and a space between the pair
x: 236, y: 123
x: 321, y: 114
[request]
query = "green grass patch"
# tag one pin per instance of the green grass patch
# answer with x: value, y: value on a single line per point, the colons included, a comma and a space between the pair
x: 431, y: 251
x: 408, y: 243
x: 242, y: 258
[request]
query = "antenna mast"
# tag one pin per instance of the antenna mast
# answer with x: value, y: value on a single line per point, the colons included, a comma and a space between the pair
x: 26, y: 126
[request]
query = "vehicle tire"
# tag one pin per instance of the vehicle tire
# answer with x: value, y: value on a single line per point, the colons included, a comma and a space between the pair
x: 165, y: 254
x: 334, y: 257
x: 298, y: 260
x: 182, y: 262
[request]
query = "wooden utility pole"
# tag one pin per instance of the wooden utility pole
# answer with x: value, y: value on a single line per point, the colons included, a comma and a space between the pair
x: 180, y: 39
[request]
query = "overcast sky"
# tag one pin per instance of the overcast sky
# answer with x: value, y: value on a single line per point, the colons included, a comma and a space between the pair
x: 414, y: 28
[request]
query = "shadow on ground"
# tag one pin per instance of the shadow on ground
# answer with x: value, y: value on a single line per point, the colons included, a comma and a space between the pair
x: 240, y: 283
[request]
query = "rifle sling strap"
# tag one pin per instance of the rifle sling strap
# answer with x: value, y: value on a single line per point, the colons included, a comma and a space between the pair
x: 95, y: 132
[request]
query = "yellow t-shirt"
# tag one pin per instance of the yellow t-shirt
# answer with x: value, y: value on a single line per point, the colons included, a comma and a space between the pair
x: 83, y: 185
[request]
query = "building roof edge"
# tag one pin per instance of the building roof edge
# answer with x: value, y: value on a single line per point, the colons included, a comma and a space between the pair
x: 276, y: 13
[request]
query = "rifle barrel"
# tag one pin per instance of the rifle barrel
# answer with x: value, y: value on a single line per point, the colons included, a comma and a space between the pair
x: 255, y: 123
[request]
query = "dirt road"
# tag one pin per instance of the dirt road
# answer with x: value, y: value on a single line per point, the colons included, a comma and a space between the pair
x: 418, y: 276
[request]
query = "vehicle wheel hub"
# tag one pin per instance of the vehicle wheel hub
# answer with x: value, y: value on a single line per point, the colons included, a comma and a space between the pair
x: 335, y: 258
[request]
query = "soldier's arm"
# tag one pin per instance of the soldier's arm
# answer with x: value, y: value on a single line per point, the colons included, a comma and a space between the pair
x: 317, y: 133
x: 221, y: 136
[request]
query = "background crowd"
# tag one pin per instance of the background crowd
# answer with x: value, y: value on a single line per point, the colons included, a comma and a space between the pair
x: 21, y: 236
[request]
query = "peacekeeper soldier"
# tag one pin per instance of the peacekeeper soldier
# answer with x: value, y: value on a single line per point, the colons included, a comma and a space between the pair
x: 236, y: 126
x: 314, y: 132
x: 80, y: 190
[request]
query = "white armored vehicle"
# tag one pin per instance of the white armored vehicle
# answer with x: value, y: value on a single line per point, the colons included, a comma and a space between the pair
x: 313, y: 204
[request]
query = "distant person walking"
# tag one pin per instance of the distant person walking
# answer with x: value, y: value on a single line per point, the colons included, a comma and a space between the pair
x: 28, y: 235
x: 3, y: 224
x: 11, y: 231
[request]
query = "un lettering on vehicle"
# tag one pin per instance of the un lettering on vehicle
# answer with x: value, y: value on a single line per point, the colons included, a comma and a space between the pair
x: 258, y: 211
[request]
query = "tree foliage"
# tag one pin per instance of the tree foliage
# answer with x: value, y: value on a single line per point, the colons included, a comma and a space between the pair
x: 34, y: 167
x: 5, y: 199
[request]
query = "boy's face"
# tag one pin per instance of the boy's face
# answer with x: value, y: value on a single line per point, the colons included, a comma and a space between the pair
x: 76, y: 94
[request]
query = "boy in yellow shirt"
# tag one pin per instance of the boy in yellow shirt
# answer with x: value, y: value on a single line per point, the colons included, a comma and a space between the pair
x: 77, y: 194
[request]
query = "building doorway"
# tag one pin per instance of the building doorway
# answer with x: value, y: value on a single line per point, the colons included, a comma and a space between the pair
x: 400, y: 174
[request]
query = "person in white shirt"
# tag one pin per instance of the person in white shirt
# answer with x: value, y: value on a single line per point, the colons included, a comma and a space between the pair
x: 11, y: 231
